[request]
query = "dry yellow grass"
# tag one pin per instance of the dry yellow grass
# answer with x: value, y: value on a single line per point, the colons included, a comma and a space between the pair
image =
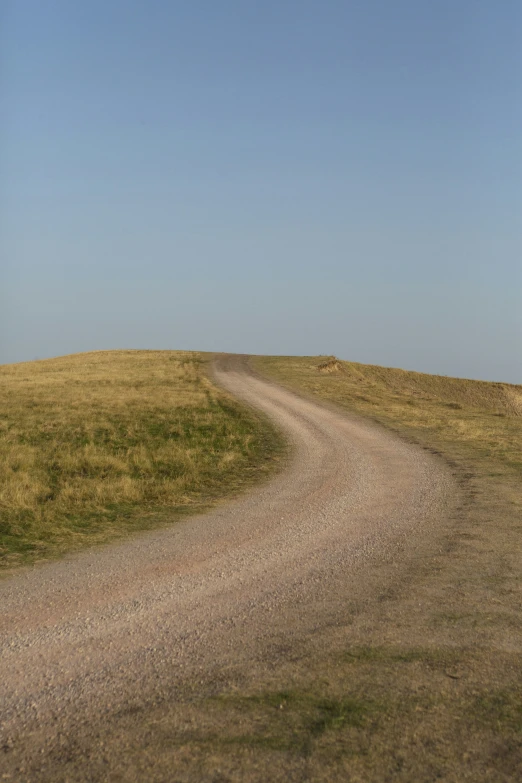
x: 94, y: 444
x: 483, y: 418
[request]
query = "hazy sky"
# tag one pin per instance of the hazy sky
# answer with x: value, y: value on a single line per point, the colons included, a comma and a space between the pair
x: 285, y: 176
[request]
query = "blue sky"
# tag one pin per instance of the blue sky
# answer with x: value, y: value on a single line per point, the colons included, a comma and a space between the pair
x: 281, y: 177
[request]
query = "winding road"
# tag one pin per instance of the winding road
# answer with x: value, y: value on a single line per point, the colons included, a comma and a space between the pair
x: 108, y: 632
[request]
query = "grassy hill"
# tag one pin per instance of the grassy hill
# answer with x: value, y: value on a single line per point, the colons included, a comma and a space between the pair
x: 97, y: 444
x: 422, y: 681
x: 463, y: 417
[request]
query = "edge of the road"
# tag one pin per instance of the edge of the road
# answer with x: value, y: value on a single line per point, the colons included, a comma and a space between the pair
x: 459, y: 472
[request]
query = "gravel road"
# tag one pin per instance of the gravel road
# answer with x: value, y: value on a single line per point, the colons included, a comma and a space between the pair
x: 107, y: 633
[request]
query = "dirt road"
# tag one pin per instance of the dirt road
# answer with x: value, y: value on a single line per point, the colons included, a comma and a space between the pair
x: 92, y: 644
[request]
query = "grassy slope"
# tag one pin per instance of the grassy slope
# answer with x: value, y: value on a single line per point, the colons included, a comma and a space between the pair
x: 95, y: 445
x: 475, y: 419
x: 423, y: 681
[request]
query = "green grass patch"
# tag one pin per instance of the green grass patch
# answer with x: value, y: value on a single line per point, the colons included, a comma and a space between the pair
x: 290, y: 719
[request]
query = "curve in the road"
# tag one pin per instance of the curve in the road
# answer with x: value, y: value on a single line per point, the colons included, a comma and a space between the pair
x: 84, y: 637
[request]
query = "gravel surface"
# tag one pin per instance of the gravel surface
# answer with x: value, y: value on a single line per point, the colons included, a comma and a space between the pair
x: 98, y: 635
